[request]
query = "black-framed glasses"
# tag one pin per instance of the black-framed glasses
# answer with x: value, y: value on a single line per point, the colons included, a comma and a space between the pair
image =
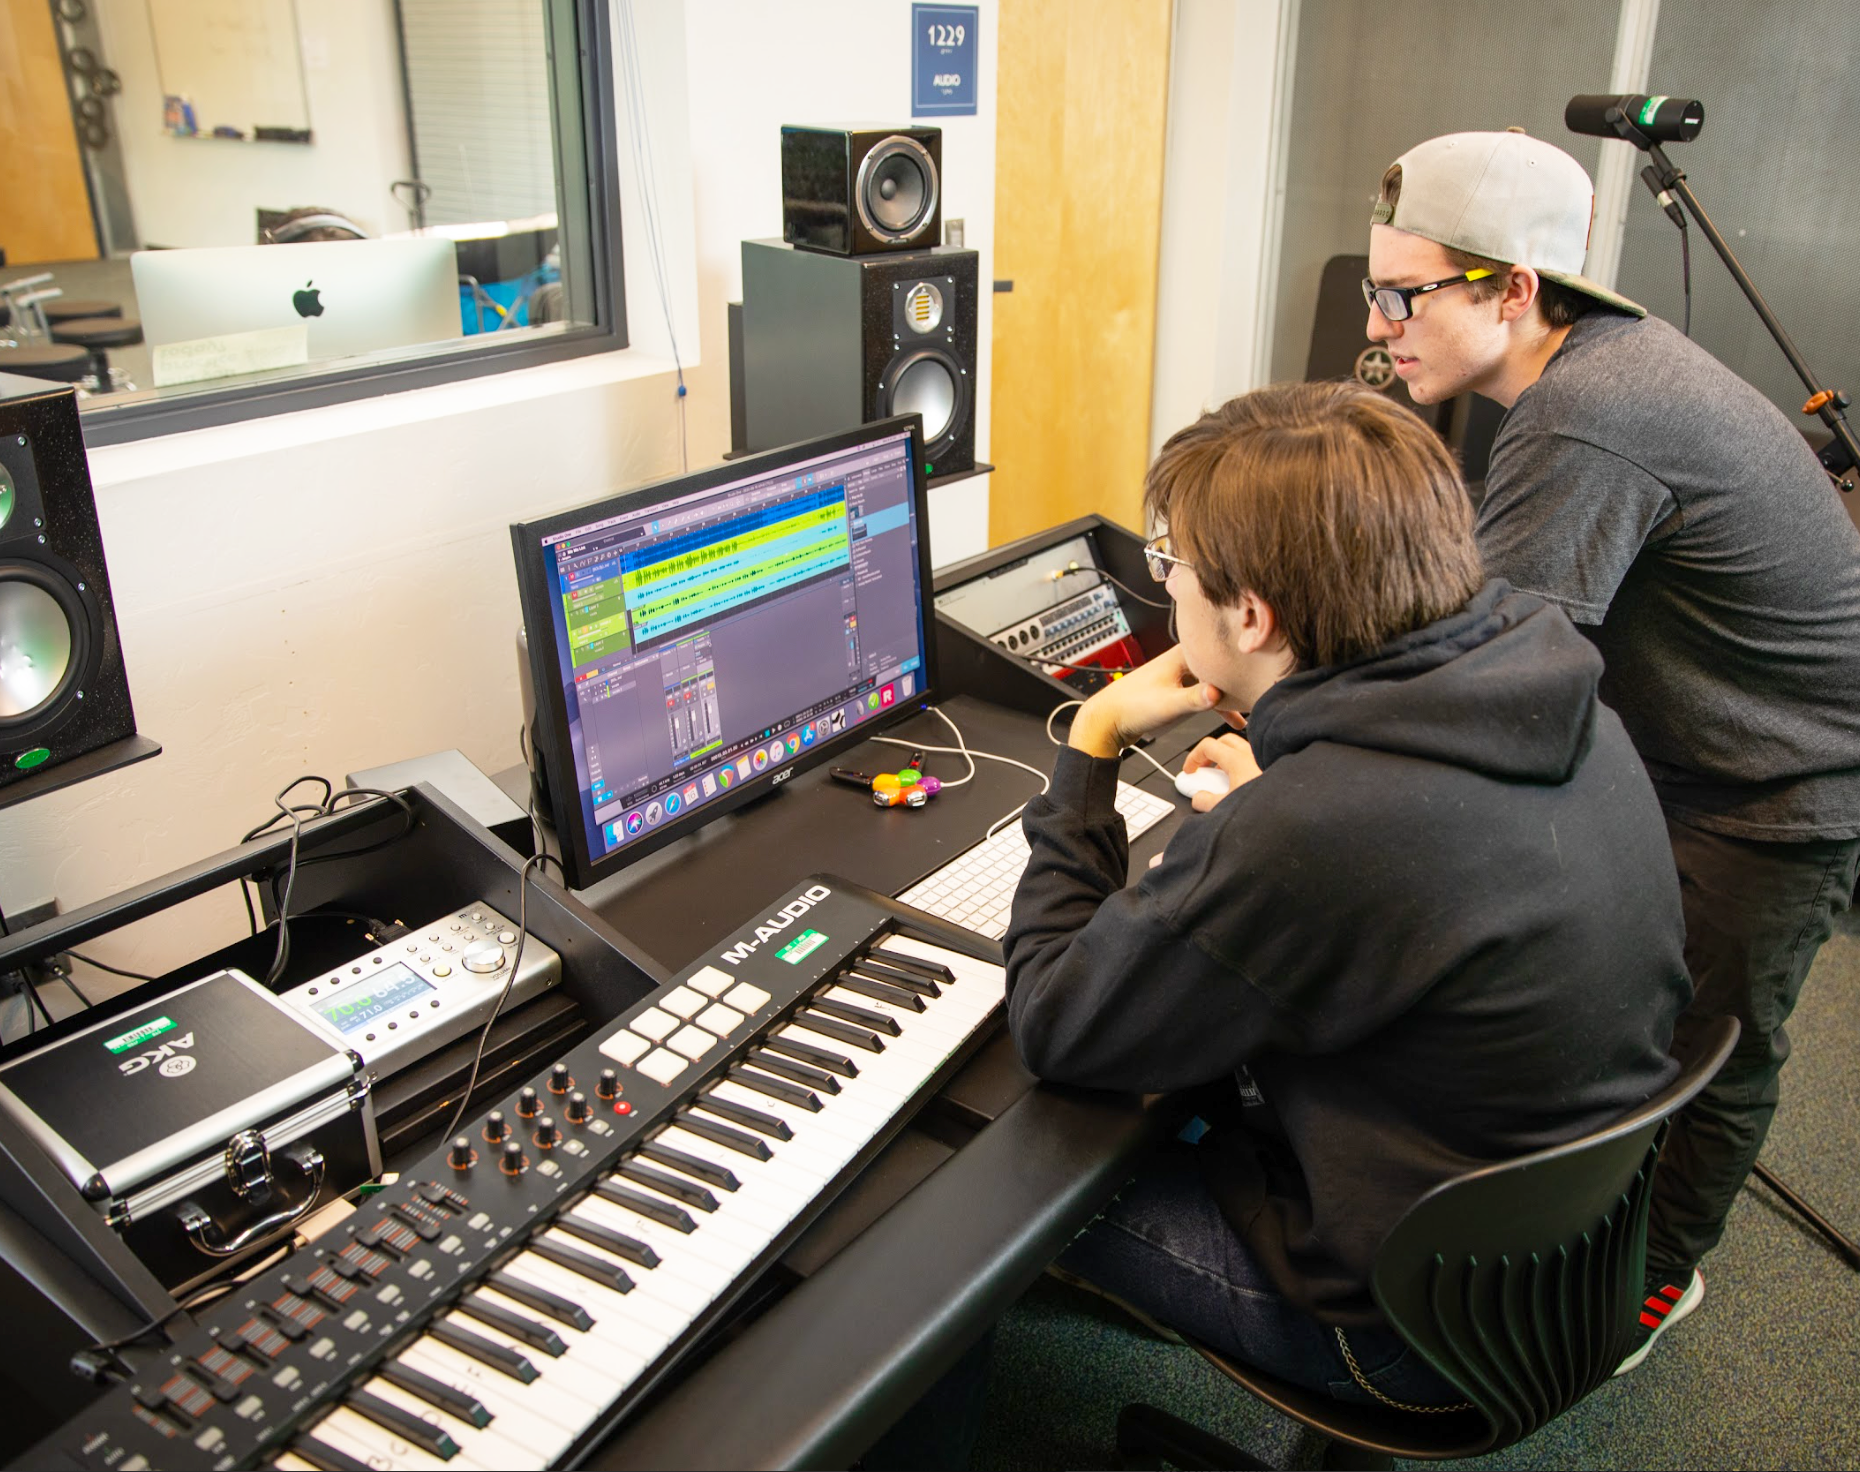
x: 1159, y: 556
x: 1396, y: 303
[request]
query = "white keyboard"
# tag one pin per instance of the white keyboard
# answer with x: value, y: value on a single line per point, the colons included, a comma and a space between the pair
x: 976, y: 888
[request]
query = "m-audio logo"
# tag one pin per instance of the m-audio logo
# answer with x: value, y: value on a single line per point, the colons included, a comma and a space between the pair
x: 774, y: 924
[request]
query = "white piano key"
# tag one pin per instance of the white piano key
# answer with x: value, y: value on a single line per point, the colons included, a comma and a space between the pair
x: 820, y: 1128
x: 291, y: 1462
x: 539, y: 1415
x: 633, y: 1322
x: 805, y: 1152
x: 485, y: 1445
x: 929, y: 1021
x: 721, y: 1231
x: 356, y: 1436
x: 592, y: 1388
x: 772, y: 1180
x: 689, y: 1271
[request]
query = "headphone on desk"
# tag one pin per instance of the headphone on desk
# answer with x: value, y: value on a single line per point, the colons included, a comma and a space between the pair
x: 288, y: 230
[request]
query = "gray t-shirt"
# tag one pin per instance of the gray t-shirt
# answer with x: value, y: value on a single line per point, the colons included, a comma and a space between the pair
x: 1678, y: 516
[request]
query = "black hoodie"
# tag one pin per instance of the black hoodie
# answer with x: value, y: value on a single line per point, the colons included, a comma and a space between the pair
x: 1440, y: 929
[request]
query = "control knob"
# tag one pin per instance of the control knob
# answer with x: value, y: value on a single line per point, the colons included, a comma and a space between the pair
x: 579, y: 1111
x: 528, y: 1105
x: 609, y: 1086
x: 513, y: 1162
x: 494, y: 1126
x: 547, y: 1135
x: 560, y: 1081
x: 461, y: 1155
x: 483, y: 957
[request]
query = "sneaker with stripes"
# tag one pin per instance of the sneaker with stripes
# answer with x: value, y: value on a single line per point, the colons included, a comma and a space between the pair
x: 1669, y: 1299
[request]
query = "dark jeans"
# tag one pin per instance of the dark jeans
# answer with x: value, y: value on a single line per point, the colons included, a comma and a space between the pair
x: 1756, y: 914
x: 1164, y: 1247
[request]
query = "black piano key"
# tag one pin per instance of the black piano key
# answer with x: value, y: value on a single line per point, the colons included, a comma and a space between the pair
x: 500, y: 1357
x: 436, y: 1393
x: 857, y: 1016
x: 653, y: 1208
x: 618, y: 1243
x: 707, y: 1171
x: 897, y: 976
x: 520, y: 1327
x: 776, y: 1088
x: 813, y: 1055
x: 585, y: 1263
x: 725, y: 1135
x: 845, y: 1032
x: 321, y: 1454
x: 404, y: 1424
x: 904, y: 961
x: 549, y: 1304
x: 882, y: 991
x: 749, y: 1119
x: 676, y: 1187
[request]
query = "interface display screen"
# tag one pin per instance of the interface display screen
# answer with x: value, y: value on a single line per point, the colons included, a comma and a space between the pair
x: 355, y: 1007
x: 710, y: 637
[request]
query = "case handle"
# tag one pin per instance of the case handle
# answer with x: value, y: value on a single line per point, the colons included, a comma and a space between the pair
x: 202, y: 1229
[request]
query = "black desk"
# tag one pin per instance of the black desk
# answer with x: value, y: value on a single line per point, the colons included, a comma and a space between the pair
x: 963, y: 1210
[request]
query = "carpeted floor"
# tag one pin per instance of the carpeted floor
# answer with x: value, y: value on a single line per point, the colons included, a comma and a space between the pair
x: 1765, y: 1374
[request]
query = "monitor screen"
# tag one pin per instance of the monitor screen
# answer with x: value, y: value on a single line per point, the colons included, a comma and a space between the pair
x: 696, y: 642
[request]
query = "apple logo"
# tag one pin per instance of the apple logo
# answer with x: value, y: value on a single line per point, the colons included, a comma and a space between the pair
x: 306, y: 301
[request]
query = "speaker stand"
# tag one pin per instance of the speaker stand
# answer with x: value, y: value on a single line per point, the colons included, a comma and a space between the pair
x: 123, y: 753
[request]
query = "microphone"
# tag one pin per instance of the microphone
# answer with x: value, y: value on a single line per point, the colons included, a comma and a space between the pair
x: 1649, y: 119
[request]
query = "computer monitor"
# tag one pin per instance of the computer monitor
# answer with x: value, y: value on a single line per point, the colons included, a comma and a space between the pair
x: 695, y: 643
x: 350, y: 296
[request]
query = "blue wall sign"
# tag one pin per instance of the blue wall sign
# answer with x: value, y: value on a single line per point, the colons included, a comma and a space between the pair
x: 943, y: 51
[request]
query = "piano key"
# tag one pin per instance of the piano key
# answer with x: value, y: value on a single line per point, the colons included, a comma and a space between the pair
x: 316, y: 1452
x: 576, y: 1260
x: 291, y: 1462
x: 544, y: 1416
x: 742, y: 1142
x: 557, y: 1372
x: 781, y: 1062
x: 924, y: 986
x: 830, y: 1061
x: 633, y: 1326
x: 507, y: 1362
x: 684, y: 1192
x: 881, y: 991
x: 961, y: 971
x: 901, y: 951
x: 646, y: 1204
x: 655, y: 1298
x: 818, y: 1125
x: 375, y: 1446
x: 507, y: 1319
x: 427, y: 1434
x: 746, y: 1115
x: 716, y: 1228
x: 436, y: 1393
x: 698, y: 1167
x: 687, y: 1279
x: 792, y: 1174
x: 869, y: 1018
x: 618, y: 1243
x: 552, y: 1306
x: 934, y: 1020
x: 487, y: 1446
x: 319, y: 1454
x: 776, y: 1088
x: 807, y: 1022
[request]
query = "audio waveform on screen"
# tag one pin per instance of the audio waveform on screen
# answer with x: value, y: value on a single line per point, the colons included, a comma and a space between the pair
x: 706, y: 574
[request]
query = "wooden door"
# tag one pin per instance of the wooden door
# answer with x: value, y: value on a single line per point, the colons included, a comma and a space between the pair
x: 44, y: 204
x: 1081, y: 101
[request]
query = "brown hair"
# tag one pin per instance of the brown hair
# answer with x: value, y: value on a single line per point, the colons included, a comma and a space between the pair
x: 1338, y: 507
x: 1559, y: 305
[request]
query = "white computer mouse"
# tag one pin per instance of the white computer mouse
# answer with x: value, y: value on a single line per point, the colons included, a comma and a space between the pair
x: 1202, y: 779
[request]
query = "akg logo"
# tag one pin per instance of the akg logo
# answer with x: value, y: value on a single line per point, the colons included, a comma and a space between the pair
x: 1375, y: 367
x: 172, y: 1064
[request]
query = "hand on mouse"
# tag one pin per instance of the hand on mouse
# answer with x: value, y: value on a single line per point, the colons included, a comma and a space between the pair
x: 1231, y: 755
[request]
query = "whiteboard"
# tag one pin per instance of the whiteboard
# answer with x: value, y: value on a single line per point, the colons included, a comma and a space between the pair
x: 237, y: 63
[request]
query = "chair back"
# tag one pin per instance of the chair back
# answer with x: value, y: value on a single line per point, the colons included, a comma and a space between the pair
x: 1521, y: 1282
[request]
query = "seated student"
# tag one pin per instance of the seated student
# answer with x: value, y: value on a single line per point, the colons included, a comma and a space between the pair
x: 1433, y: 924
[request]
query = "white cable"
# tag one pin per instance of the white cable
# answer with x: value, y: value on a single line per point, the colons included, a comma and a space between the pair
x: 1053, y: 715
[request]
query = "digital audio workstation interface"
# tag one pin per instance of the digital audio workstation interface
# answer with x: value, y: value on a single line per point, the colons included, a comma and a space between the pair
x: 710, y: 638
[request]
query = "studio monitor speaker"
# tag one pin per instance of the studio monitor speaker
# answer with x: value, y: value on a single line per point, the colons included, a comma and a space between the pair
x: 832, y: 342
x: 861, y: 191
x: 63, y: 691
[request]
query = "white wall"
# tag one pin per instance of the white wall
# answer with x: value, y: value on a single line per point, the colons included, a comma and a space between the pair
x: 326, y: 591
x: 1228, y: 89
x: 205, y: 191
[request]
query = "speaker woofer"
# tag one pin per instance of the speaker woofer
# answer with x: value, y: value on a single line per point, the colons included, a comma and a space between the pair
x: 929, y: 384
x: 43, y: 642
x: 897, y: 189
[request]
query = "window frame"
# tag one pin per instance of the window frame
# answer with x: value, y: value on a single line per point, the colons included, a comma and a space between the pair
x: 589, y: 227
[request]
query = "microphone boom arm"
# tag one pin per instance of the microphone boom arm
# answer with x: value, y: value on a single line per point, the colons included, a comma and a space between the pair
x: 1840, y: 457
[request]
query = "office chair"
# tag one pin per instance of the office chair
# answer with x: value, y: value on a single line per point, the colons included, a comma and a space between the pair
x: 1519, y: 1283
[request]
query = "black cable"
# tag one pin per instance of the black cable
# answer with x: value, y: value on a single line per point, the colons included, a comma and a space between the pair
x: 484, y: 1036
x: 199, y: 1298
x: 1059, y: 664
x: 1685, y: 271
x: 72, y: 986
x: 1115, y: 582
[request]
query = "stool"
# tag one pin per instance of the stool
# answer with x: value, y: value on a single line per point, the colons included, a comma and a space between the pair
x: 60, y: 362
x: 96, y: 334
x: 64, y: 309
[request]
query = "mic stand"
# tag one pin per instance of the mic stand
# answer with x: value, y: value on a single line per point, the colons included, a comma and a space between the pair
x: 1842, y: 454
x: 1839, y: 457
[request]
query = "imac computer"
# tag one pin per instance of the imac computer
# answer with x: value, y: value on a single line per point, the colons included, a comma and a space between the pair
x: 695, y: 643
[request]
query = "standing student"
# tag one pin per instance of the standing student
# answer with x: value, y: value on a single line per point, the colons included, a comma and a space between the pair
x: 1677, y: 517
x: 1432, y: 926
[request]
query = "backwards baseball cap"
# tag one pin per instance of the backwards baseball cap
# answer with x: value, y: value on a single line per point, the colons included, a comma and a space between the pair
x: 1505, y: 196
